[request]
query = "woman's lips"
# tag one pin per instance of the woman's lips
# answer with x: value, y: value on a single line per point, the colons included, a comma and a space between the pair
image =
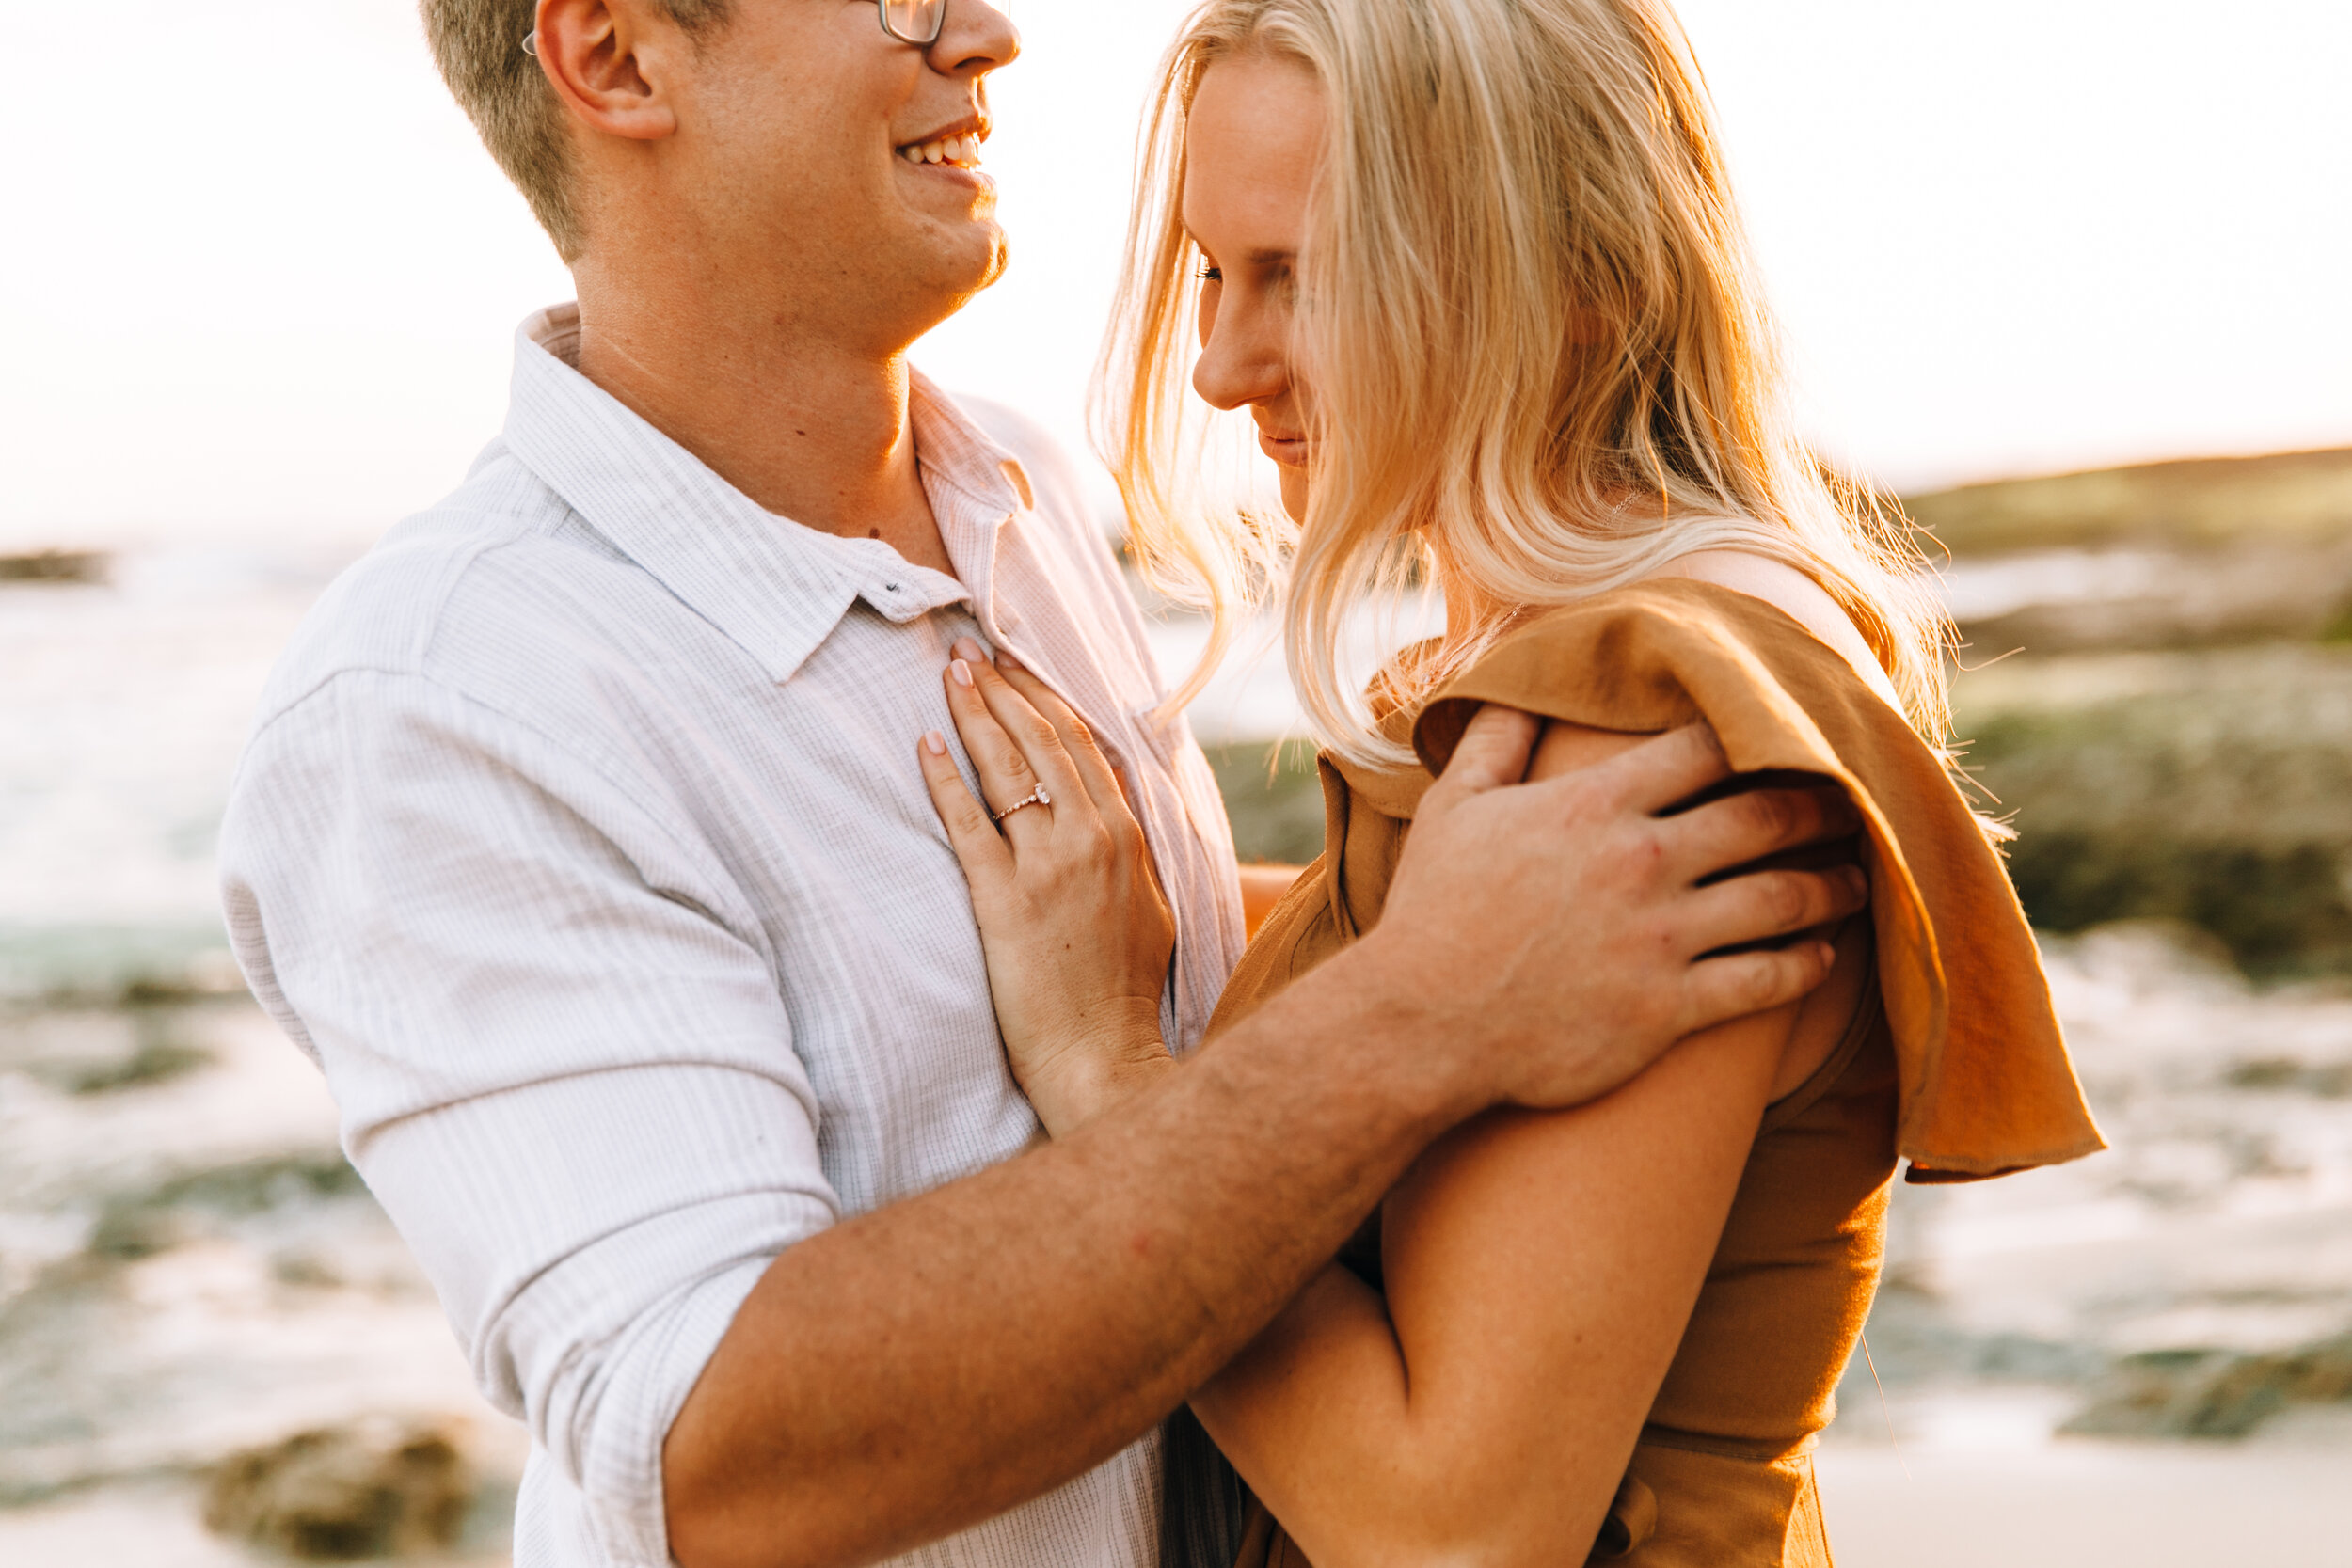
x: 1289, y: 450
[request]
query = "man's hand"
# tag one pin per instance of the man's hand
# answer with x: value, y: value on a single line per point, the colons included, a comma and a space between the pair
x: 1556, y: 934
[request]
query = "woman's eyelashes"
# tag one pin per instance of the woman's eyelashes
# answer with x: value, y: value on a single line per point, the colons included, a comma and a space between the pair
x: 1208, y: 274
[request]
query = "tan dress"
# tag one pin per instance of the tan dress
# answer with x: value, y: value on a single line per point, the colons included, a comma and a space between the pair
x: 1952, y: 1060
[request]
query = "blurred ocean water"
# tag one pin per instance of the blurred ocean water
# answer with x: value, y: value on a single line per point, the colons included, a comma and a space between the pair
x: 126, y: 705
x: 189, y: 1271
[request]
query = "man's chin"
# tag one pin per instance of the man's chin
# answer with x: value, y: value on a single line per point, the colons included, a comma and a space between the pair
x: 926, y: 266
x: 999, y: 260
x: 969, y: 256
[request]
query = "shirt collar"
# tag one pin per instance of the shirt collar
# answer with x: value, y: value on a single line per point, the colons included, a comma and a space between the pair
x: 975, y: 488
x: 775, y: 588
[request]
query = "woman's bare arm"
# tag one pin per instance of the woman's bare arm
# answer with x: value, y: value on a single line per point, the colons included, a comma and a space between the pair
x: 1261, y: 887
x: 1540, y: 1271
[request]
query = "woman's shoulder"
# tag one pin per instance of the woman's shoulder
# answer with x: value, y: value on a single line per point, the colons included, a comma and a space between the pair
x: 1794, y: 595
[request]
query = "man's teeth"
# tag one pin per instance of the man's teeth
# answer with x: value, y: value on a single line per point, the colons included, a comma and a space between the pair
x: 963, y: 149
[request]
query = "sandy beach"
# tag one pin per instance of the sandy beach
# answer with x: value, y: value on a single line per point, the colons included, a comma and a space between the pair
x: 2283, y: 1504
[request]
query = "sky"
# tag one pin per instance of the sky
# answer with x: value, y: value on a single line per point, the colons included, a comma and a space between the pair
x: 261, y: 280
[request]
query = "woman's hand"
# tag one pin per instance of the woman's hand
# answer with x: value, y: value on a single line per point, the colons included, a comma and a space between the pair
x: 1076, y: 932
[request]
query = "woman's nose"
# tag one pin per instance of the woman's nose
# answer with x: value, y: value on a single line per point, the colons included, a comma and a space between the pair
x: 1235, y: 370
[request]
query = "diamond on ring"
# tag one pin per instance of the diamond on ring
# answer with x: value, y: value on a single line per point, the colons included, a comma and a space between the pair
x: 1035, y: 798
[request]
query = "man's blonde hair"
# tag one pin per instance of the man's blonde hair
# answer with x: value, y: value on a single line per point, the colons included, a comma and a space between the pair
x: 1542, y: 365
x: 479, y: 46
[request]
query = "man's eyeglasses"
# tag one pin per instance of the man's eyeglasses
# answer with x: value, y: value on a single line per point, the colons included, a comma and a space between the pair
x: 920, y: 21
x: 915, y: 22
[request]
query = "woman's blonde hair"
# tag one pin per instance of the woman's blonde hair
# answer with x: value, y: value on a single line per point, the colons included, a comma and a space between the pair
x: 1542, y: 365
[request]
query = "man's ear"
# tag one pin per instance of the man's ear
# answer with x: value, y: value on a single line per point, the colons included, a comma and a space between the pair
x: 611, y: 63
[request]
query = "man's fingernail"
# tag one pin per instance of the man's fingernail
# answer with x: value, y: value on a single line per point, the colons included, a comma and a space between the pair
x: 935, y: 743
x: 962, y: 673
x: 1857, y: 881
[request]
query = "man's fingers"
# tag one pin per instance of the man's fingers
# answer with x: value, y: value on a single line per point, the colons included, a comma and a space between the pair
x: 978, y: 846
x: 1719, y: 989
x: 1753, y: 824
x: 1493, y: 751
x: 1658, y: 773
x: 1762, y: 905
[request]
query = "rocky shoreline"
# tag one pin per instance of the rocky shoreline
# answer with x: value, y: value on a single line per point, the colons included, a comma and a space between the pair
x: 2157, y: 686
x: 200, y: 1301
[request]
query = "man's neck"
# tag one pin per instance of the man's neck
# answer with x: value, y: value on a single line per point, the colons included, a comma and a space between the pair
x: 807, y: 428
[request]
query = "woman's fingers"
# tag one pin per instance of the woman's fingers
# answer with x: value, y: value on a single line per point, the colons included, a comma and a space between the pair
x: 1094, y: 770
x: 1104, y: 786
x: 1037, y: 749
x: 1004, y: 770
x: 979, y: 848
x: 1760, y: 905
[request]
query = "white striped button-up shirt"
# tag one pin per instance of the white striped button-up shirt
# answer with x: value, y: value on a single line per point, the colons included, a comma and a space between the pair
x: 582, y: 843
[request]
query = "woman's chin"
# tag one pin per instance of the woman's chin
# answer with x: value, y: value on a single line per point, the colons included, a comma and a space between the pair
x: 1295, y: 493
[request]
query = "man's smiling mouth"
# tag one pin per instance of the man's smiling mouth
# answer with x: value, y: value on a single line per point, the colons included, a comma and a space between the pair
x: 961, y: 150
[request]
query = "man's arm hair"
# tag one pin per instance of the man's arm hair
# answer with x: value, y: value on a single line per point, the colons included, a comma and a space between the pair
x: 918, y: 1370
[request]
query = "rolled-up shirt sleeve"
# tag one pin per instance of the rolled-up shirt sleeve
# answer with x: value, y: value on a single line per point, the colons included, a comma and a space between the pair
x: 554, y: 1033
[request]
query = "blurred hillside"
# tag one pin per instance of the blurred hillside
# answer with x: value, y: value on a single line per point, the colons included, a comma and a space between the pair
x: 2156, y: 686
x: 2166, y: 555
x: 2200, y: 503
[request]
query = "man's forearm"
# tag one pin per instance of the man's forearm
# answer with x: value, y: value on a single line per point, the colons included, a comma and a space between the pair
x: 931, y: 1365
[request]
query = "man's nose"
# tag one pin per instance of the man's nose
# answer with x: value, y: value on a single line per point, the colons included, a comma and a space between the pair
x: 977, y: 38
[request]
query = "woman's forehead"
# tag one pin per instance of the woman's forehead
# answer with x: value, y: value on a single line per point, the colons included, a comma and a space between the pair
x: 1252, y: 137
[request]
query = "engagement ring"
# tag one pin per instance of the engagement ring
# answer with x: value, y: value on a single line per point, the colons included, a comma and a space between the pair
x: 1035, y: 798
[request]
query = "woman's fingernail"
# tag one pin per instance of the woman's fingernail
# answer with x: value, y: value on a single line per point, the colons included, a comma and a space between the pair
x: 962, y: 673
x: 967, y: 648
x: 935, y: 743
x: 1006, y: 661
